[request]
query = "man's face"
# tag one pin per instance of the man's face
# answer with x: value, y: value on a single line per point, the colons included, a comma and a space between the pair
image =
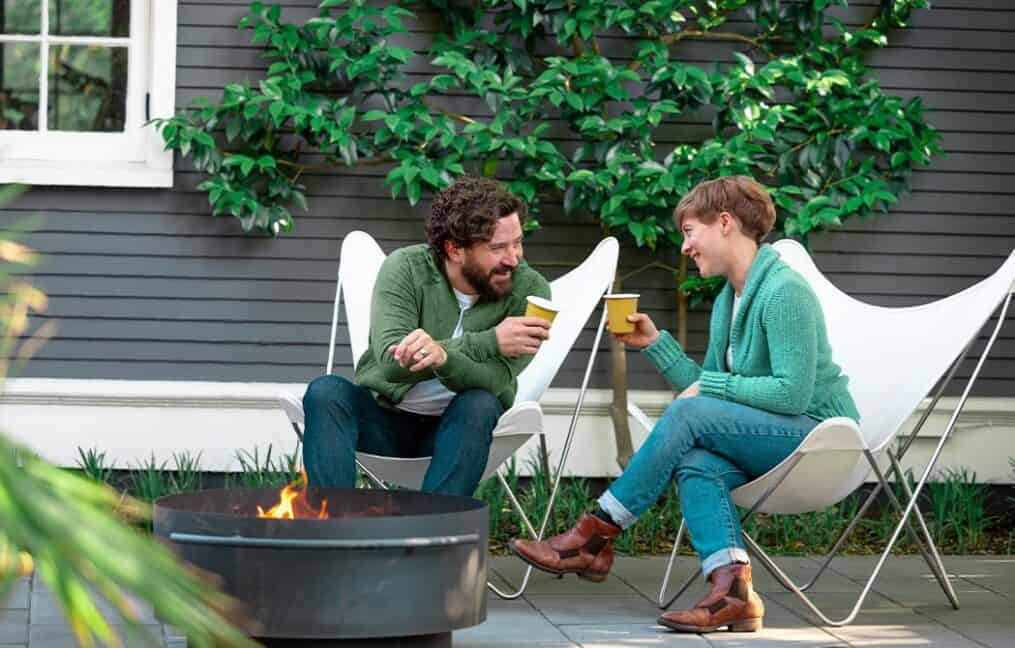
x: 488, y: 266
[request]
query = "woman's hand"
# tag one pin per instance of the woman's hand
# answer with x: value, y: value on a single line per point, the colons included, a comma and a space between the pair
x: 691, y: 391
x: 644, y: 334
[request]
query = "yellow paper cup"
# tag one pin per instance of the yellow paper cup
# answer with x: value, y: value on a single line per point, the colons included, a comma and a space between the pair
x: 539, y: 307
x: 618, y: 307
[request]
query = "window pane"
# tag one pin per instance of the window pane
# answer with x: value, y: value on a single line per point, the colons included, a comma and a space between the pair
x: 21, y: 16
x: 19, y: 87
x: 89, y: 17
x: 87, y: 88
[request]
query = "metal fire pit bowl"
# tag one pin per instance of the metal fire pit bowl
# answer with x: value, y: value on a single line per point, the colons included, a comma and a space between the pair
x: 387, y: 568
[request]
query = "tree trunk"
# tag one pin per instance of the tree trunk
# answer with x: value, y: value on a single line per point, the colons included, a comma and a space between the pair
x: 618, y: 409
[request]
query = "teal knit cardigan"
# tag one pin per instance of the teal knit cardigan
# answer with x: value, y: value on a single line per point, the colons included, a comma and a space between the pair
x: 780, y: 348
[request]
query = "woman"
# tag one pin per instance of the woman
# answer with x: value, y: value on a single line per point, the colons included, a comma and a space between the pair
x: 767, y: 380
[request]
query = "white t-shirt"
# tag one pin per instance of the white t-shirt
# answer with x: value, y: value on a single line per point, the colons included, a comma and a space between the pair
x: 430, y: 397
x: 729, y: 347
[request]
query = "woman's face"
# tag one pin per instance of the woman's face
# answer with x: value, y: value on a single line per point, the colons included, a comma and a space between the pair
x: 706, y: 244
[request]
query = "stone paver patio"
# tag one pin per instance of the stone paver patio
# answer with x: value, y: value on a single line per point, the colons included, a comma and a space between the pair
x: 906, y: 608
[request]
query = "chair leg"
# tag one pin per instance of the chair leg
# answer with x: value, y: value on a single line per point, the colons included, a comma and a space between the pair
x: 544, y: 462
x: 518, y: 506
x: 560, y: 465
x: 527, y: 523
x: 930, y: 552
x: 761, y: 500
x: 371, y: 477
x: 906, y: 512
x: 841, y: 540
x: 662, y: 601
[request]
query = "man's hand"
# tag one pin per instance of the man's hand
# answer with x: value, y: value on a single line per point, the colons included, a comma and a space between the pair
x: 691, y: 391
x: 644, y: 333
x: 521, y: 335
x: 418, y: 351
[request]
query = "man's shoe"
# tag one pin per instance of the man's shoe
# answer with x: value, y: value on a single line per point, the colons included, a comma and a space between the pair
x: 732, y: 604
x: 586, y: 549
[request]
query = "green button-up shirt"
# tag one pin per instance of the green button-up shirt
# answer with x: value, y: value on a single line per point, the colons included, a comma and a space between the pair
x: 413, y: 292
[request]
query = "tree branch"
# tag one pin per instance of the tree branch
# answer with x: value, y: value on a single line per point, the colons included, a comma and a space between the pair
x: 676, y: 37
x: 362, y: 162
x: 447, y: 113
x: 812, y: 138
x: 579, y: 51
x: 649, y: 266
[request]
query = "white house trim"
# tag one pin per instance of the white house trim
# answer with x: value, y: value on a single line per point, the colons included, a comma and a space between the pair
x: 133, y: 420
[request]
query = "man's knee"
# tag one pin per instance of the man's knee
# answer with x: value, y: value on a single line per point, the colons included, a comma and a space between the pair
x: 325, y: 390
x: 480, y: 405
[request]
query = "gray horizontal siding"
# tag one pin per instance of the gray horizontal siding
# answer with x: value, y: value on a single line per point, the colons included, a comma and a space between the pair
x: 145, y: 285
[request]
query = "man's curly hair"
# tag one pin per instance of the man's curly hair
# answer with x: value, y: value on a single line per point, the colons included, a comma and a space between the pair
x: 467, y: 212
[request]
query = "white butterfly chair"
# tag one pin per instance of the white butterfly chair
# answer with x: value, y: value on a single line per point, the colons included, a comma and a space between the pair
x: 577, y: 293
x: 893, y: 357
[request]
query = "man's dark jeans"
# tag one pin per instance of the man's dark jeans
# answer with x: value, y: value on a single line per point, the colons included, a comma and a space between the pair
x: 342, y: 417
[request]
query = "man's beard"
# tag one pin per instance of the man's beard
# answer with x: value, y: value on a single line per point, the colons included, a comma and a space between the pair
x: 482, y: 282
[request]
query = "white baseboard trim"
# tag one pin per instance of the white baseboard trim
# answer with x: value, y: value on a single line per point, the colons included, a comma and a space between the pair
x: 133, y: 420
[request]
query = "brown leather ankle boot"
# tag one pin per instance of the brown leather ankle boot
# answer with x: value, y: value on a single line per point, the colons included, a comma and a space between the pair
x: 586, y: 549
x: 732, y: 603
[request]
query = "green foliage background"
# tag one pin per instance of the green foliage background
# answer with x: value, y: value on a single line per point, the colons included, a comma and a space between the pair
x: 796, y: 108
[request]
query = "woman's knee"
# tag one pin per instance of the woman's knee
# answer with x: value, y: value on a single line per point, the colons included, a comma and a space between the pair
x: 696, y: 462
x: 702, y: 463
x: 689, y: 409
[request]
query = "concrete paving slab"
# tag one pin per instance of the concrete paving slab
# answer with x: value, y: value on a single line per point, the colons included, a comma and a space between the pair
x: 643, y: 635
x: 876, y: 609
x: 801, y: 569
x: 46, y: 609
x: 485, y: 643
x: 913, y: 593
x: 511, y: 623
x: 579, y: 610
x: 18, y: 595
x: 895, y: 568
x: 60, y: 636
x: 808, y: 637
x: 990, y: 625
x: 901, y: 636
x: 778, y: 615
x: 570, y: 613
x: 996, y: 574
x: 513, y: 570
x: 13, y: 626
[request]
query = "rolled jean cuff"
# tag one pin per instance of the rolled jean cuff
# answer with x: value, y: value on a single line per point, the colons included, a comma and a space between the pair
x: 616, y: 510
x: 722, y: 557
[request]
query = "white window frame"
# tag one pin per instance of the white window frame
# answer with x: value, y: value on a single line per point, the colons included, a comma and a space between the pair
x: 133, y: 158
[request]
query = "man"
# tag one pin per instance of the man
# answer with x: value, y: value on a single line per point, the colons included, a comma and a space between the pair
x: 447, y: 342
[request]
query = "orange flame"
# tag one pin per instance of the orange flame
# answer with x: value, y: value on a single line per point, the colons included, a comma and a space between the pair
x: 293, y: 503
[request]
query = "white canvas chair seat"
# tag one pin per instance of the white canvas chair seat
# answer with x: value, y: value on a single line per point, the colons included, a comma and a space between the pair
x: 893, y: 358
x: 576, y: 294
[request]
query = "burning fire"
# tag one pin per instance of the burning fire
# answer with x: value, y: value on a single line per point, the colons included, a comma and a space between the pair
x: 293, y: 503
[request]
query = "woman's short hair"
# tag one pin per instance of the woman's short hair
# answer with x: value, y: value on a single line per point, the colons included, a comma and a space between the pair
x: 743, y: 197
x: 467, y: 212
